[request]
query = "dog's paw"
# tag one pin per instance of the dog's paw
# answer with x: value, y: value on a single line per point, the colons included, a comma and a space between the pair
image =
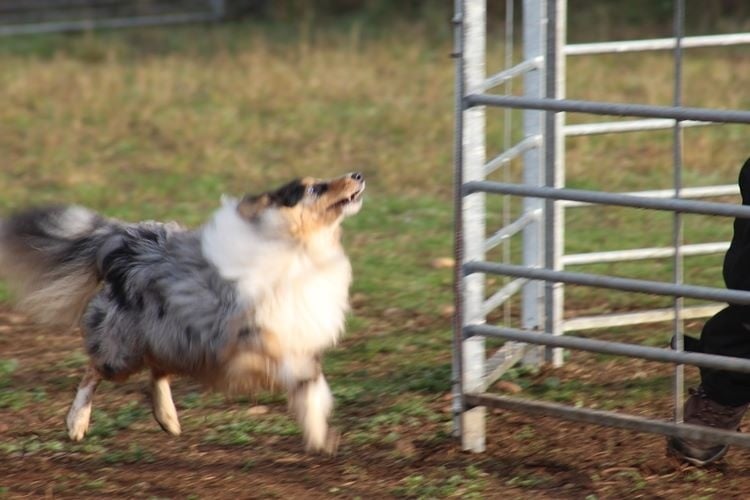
x: 169, y: 422
x: 78, y: 423
x: 328, y: 446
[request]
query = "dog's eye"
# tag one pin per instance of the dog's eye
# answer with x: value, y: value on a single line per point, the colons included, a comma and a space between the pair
x: 317, y: 189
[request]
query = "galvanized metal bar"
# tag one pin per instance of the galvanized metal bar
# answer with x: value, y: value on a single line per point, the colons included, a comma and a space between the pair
x: 532, y: 295
x: 690, y: 192
x: 507, y: 139
x: 714, y: 361
x: 643, y: 253
x: 502, y: 295
x: 108, y: 23
x: 609, y: 108
x: 554, y: 161
x: 510, y: 73
x: 678, y: 229
x: 503, y: 360
x: 473, y: 213
x: 656, y: 44
x: 511, y: 229
x: 458, y: 233
x: 609, y: 419
x: 635, y: 318
x: 627, y: 126
x: 513, y: 152
x: 611, y: 282
x: 617, y: 199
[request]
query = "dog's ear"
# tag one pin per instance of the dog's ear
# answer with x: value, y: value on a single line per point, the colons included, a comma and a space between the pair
x: 251, y: 206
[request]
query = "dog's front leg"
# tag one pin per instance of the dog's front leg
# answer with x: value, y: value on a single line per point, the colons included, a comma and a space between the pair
x: 311, y: 401
x: 165, y: 412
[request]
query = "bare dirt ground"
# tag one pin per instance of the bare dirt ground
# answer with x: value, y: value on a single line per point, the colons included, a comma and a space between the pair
x: 527, y: 457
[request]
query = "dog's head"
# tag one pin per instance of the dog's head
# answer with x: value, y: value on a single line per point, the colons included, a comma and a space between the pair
x: 305, y: 207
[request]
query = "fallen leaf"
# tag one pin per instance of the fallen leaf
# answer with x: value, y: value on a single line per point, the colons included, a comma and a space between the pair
x: 443, y: 263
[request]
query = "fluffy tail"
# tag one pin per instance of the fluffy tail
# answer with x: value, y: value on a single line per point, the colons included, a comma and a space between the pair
x: 49, y: 258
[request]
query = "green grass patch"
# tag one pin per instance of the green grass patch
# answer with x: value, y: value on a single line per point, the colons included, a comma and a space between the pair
x: 106, y: 425
x: 131, y: 455
x: 242, y: 430
x: 468, y: 483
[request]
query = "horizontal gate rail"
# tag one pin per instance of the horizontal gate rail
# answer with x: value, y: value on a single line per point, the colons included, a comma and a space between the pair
x: 656, y: 44
x: 642, y: 253
x: 608, y: 108
x: 617, y: 199
x: 608, y: 347
x: 688, y: 192
x: 628, y: 126
x: 608, y: 418
x: 636, y: 318
x: 610, y: 282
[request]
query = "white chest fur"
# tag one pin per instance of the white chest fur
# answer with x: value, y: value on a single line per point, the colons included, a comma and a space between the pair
x: 299, y: 293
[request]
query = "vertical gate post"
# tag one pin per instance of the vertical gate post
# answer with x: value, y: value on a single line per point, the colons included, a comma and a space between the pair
x: 473, y: 219
x: 554, y: 170
x: 532, y: 298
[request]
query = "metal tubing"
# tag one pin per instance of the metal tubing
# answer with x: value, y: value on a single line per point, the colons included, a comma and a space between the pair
x: 691, y: 192
x: 627, y: 126
x: 610, y: 108
x: 513, y: 152
x: 611, y: 282
x: 610, y: 419
x: 511, y: 229
x: 510, y: 73
x: 656, y: 44
x: 678, y: 229
x: 473, y: 214
x: 714, y: 361
x: 508, y: 137
x: 617, y: 199
x: 502, y: 295
x: 642, y: 253
x: 635, y: 318
x: 502, y: 361
x: 458, y: 296
x: 532, y: 295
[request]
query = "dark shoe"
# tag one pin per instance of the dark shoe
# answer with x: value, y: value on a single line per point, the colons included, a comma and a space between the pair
x: 700, y: 410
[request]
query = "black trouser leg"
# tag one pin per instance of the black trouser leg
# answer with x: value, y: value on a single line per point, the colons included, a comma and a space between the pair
x: 727, y: 333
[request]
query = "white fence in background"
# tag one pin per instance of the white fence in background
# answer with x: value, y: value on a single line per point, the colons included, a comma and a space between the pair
x: 27, y: 17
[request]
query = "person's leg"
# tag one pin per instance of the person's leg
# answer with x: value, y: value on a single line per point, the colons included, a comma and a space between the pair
x: 722, y: 398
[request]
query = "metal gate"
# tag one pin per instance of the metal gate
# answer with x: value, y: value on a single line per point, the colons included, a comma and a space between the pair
x: 23, y: 17
x: 541, y: 276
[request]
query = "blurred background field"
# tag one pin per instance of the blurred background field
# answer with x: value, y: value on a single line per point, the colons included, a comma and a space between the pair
x: 158, y: 123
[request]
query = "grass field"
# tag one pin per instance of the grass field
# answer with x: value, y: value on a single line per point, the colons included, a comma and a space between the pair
x: 158, y: 123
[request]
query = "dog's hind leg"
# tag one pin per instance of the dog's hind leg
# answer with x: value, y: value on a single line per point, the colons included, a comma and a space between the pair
x: 80, y: 411
x: 312, y: 402
x: 165, y: 412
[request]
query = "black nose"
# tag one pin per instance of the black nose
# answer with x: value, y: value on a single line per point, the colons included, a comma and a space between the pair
x: 358, y: 176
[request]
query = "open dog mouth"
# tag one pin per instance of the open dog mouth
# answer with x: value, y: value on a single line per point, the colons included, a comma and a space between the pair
x: 353, y: 198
